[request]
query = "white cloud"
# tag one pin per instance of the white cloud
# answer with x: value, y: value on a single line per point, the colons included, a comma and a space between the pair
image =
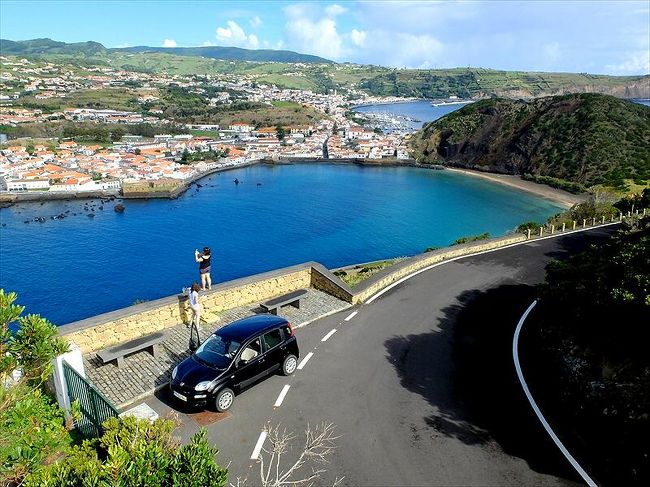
x: 311, y: 33
x: 358, y: 37
x: 234, y: 35
x: 255, y: 22
x: 169, y: 43
x: 637, y: 62
x: 334, y: 10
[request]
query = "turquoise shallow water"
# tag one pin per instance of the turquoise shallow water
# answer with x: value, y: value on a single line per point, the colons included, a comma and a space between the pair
x: 77, y: 267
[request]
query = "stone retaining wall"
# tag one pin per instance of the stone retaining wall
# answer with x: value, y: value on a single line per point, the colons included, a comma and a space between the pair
x: 107, y: 329
x: 104, y: 330
x: 395, y: 272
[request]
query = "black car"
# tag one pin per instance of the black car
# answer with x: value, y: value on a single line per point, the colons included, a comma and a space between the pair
x: 234, y: 357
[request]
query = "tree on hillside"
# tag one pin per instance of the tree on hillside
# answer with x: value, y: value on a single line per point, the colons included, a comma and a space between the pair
x: 280, y: 132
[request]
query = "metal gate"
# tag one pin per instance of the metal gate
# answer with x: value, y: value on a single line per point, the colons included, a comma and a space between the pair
x: 94, y: 407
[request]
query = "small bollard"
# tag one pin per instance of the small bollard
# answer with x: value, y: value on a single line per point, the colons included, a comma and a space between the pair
x: 574, y: 224
x: 541, y: 231
x: 584, y: 222
x: 528, y: 234
x: 603, y: 222
x: 620, y: 217
x: 593, y: 222
x: 563, y: 226
x: 552, y: 229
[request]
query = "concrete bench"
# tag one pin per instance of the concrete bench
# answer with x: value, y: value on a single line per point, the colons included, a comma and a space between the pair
x: 118, y: 352
x: 292, y: 298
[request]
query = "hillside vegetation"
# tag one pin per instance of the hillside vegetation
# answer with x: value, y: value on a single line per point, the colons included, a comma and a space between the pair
x: 48, y: 46
x: 585, y: 138
x: 321, y: 76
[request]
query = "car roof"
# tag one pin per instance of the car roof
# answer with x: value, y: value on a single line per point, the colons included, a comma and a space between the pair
x: 243, y: 329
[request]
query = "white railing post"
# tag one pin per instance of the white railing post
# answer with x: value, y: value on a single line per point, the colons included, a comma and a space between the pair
x: 593, y: 222
x: 528, y: 237
x: 584, y: 222
x: 563, y: 226
x: 603, y: 222
x: 541, y: 231
x: 620, y: 216
x: 552, y: 229
x: 574, y: 224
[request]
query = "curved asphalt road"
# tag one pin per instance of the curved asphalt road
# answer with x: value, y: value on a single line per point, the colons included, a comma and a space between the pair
x: 420, y: 382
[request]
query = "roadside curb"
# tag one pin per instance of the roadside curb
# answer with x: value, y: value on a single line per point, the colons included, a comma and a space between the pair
x: 533, y: 404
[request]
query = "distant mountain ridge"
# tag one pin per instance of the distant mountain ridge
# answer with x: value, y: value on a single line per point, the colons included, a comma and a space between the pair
x: 91, y: 48
x: 583, y: 138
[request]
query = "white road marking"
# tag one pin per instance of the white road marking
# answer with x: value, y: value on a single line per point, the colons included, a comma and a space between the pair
x: 305, y: 360
x: 283, y: 392
x: 540, y: 416
x: 351, y: 315
x: 524, y: 242
x: 324, y: 339
x: 258, y: 446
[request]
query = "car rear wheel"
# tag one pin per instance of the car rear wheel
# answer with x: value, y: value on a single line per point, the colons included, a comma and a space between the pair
x: 289, y: 365
x: 224, y: 400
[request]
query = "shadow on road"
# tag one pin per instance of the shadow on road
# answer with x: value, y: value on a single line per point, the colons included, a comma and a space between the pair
x: 465, y: 370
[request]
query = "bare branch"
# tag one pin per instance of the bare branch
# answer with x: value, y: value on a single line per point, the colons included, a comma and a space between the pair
x: 319, y: 444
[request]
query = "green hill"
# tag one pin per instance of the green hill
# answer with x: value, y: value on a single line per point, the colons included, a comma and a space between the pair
x: 232, y: 53
x: 585, y: 138
x: 481, y: 83
x: 89, y: 49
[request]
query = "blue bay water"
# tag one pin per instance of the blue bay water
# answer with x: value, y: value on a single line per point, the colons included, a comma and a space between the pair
x: 421, y: 111
x: 77, y: 267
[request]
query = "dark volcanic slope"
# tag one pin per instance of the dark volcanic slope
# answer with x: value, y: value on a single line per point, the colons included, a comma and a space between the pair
x: 584, y: 138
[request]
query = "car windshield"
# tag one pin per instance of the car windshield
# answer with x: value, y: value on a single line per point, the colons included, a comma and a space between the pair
x: 217, y: 351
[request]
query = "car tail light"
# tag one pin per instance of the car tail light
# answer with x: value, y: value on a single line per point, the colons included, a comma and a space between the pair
x: 290, y: 329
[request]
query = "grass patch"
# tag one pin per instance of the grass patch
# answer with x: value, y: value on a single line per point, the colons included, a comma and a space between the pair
x: 352, y: 277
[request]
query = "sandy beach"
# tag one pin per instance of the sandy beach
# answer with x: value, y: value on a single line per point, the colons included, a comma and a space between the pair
x: 560, y: 196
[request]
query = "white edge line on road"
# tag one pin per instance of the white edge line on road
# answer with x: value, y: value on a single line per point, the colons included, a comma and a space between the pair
x: 304, y: 361
x: 283, y: 392
x: 324, y: 339
x: 258, y: 446
x: 429, y: 267
x: 540, y: 416
x: 351, y: 315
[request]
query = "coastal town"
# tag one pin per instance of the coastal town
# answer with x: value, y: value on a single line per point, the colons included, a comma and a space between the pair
x: 175, y: 152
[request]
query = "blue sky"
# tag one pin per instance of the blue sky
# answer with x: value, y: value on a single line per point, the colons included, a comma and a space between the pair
x: 576, y: 36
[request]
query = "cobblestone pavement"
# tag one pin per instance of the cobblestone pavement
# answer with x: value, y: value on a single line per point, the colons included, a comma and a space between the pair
x: 142, y: 373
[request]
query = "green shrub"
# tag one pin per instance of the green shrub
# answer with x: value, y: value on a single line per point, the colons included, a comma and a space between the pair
x: 32, y: 431
x: 530, y: 225
x: 134, y: 452
x: 471, y: 238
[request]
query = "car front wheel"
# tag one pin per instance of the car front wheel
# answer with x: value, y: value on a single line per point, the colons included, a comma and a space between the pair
x: 224, y: 400
x: 289, y: 365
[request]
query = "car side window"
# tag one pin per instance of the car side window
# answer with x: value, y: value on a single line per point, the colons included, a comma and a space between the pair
x: 287, y: 332
x: 252, y: 350
x: 272, y: 338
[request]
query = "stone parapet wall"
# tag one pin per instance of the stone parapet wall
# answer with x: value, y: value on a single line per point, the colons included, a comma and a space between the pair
x: 395, y: 272
x: 108, y: 329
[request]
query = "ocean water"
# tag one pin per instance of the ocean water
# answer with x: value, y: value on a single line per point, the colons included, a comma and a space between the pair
x: 421, y: 111
x: 76, y: 267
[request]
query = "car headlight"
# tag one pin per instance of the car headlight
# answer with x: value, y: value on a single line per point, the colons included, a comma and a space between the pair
x: 203, y: 386
x: 174, y: 372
